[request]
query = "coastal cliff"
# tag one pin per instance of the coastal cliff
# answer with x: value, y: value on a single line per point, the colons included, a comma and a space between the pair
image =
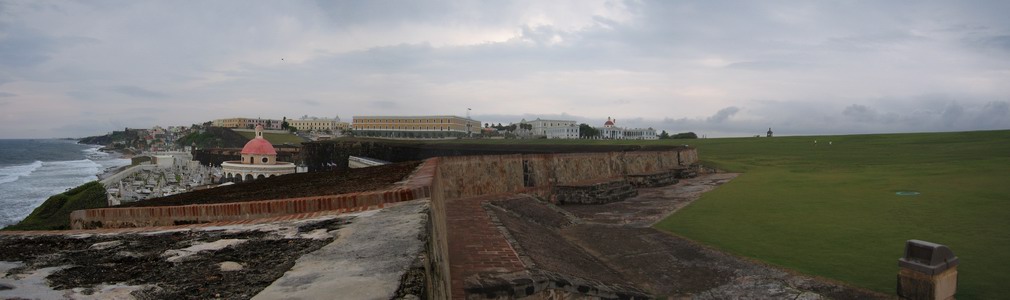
x: 54, y: 214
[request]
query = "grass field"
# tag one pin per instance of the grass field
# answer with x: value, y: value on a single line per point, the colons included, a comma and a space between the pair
x: 275, y: 138
x: 832, y: 210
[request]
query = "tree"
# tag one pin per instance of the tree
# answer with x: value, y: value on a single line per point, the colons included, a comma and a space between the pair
x: 586, y: 131
x: 486, y: 125
x: 685, y: 135
x: 664, y: 135
x: 292, y: 129
x: 284, y: 123
x: 526, y: 126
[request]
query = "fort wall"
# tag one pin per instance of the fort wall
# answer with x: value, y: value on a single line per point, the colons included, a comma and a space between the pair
x: 458, y: 187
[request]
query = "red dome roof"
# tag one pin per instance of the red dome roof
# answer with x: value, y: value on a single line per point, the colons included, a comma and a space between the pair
x: 608, y: 123
x: 259, y: 146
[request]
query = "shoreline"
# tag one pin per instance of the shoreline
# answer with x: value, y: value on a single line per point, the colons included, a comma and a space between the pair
x: 114, y: 154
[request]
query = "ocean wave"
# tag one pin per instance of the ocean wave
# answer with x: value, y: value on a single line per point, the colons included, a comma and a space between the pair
x: 23, y: 194
x: 93, y: 153
x: 83, y: 167
x: 12, y: 173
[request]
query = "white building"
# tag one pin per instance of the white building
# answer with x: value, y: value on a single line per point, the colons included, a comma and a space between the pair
x: 610, y: 131
x: 259, y: 160
x: 554, y: 129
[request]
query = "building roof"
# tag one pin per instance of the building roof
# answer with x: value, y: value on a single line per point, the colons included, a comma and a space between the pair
x: 259, y: 145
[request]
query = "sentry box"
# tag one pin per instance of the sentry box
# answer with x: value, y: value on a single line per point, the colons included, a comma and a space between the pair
x: 928, y: 271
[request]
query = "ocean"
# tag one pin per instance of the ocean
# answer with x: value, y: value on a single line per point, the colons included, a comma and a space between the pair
x: 33, y: 170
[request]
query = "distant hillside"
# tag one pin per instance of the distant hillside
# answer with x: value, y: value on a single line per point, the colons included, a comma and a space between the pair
x: 54, y: 214
x: 275, y: 138
x: 126, y: 138
x: 213, y: 137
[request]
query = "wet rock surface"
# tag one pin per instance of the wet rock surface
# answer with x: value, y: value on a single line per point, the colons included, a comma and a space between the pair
x: 109, y: 265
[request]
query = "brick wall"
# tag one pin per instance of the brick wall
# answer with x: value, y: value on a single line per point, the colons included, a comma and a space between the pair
x: 418, y: 186
x: 437, y: 253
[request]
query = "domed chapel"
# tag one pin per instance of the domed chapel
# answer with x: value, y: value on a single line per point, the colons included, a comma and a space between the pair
x: 259, y: 160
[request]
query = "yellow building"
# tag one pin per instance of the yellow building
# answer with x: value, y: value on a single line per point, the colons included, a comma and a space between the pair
x: 331, y: 125
x: 247, y: 123
x: 415, y: 126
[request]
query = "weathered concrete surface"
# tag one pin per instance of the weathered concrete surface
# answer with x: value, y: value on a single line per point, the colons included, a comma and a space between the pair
x: 366, y: 261
x: 652, y: 204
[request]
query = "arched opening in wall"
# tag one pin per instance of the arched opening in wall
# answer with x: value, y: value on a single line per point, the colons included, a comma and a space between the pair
x: 250, y: 160
x: 237, y: 178
x: 271, y: 175
x: 260, y: 176
x: 248, y: 177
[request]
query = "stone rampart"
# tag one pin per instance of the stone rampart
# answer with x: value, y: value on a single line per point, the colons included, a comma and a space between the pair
x: 332, y: 155
x: 469, y: 176
x: 464, y: 240
x: 418, y: 186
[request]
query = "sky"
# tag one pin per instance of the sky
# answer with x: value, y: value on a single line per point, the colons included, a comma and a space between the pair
x: 716, y: 68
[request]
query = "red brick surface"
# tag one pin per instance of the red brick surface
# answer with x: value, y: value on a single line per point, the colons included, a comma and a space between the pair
x: 475, y: 243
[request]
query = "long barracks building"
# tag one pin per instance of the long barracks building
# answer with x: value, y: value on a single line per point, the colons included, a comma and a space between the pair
x: 415, y: 126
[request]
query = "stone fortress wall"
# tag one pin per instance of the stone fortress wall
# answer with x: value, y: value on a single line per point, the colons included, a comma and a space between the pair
x: 449, y: 183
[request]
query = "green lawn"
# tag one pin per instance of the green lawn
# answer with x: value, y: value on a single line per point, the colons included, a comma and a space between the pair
x: 832, y: 210
x: 275, y: 138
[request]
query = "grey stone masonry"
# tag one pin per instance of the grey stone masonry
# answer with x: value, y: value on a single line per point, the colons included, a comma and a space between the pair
x: 655, y: 179
x: 688, y: 172
x: 594, y: 192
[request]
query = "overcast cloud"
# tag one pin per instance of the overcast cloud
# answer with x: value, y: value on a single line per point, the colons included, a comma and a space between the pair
x: 718, y: 68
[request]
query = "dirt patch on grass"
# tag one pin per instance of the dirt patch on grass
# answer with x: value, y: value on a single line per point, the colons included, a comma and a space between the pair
x: 292, y: 186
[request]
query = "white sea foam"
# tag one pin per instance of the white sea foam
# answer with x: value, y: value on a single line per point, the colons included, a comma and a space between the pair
x: 12, y: 173
x: 24, y: 193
